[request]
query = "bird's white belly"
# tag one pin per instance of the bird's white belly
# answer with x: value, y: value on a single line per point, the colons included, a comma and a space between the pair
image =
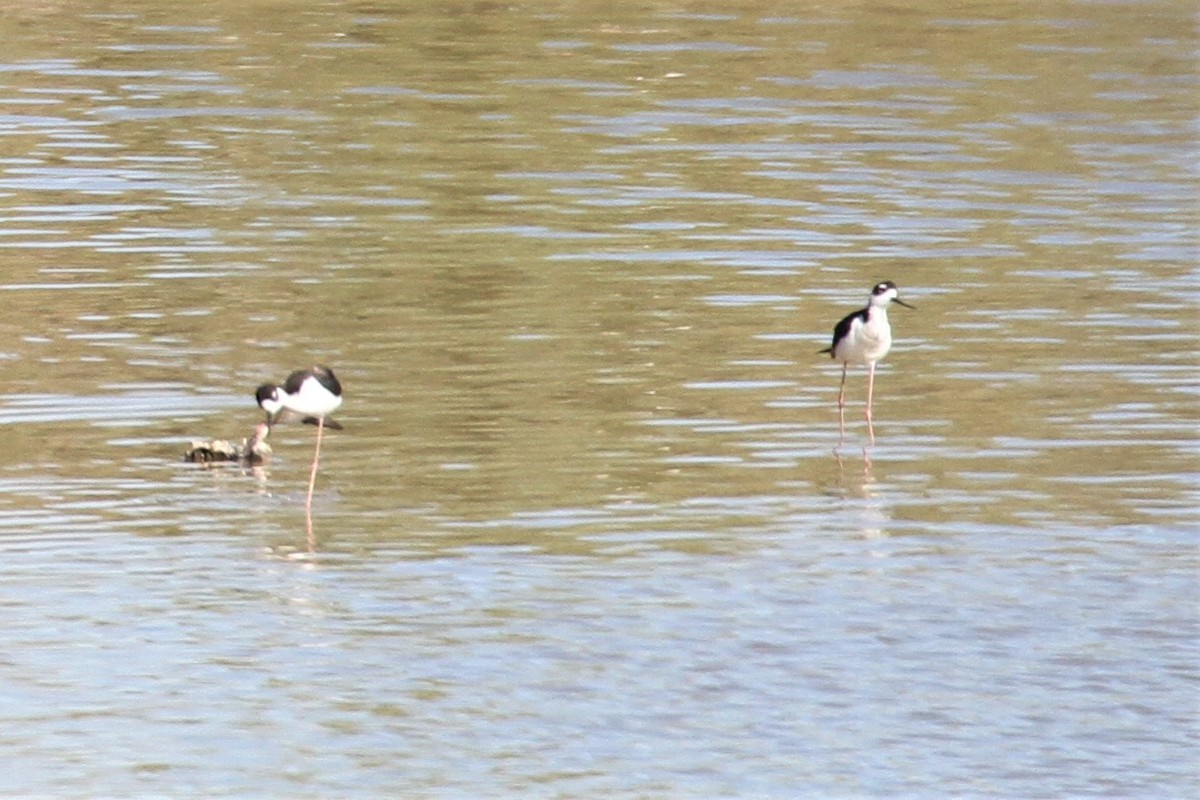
x: 874, y: 346
x: 312, y: 401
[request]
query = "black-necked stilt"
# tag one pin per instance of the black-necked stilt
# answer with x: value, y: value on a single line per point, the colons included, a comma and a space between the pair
x: 309, y: 394
x: 864, y: 337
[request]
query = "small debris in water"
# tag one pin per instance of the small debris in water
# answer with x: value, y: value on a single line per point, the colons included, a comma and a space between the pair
x: 253, y: 451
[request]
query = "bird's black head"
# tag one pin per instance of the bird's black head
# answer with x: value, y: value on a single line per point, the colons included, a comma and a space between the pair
x: 267, y: 393
x: 269, y: 400
x: 886, y: 292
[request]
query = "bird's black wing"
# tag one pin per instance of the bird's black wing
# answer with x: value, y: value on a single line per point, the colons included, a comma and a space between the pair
x: 842, y: 329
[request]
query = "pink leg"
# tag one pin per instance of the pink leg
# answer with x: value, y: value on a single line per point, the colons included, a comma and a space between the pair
x: 870, y: 398
x: 842, y: 407
x: 312, y: 478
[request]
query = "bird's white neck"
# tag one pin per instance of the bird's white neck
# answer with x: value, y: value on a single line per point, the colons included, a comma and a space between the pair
x: 877, y: 312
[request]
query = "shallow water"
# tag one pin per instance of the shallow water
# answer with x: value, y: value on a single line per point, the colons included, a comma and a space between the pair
x: 587, y: 530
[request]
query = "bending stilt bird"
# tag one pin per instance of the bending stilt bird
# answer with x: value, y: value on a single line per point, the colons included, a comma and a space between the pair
x: 310, y: 395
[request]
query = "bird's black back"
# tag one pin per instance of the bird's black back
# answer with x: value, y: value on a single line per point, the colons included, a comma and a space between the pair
x: 323, y: 376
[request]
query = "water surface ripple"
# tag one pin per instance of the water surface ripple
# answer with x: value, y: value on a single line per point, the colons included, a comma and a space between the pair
x: 588, y: 530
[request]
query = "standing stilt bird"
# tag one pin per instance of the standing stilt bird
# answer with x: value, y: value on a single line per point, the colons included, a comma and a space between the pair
x: 310, y: 395
x: 864, y: 337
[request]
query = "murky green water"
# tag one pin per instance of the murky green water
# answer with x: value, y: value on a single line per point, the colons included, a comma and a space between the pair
x: 586, y: 532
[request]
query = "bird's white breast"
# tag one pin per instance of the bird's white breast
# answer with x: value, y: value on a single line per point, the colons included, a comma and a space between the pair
x: 867, y: 341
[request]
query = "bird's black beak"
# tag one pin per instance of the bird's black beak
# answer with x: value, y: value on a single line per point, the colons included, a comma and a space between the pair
x: 906, y: 305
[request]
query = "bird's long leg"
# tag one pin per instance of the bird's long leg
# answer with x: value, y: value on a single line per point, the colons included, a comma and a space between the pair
x: 312, y: 478
x: 870, y: 397
x: 842, y: 407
